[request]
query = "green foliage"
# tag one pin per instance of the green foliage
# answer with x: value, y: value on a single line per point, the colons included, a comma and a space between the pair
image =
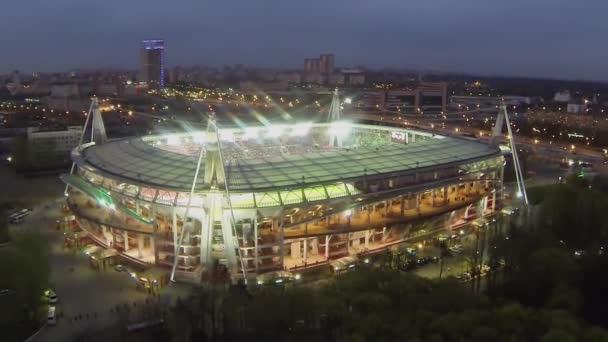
x: 545, y: 290
x: 577, y: 179
x: 371, y: 305
x: 21, y: 153
x: 25, y: 271
x: 600, y: 183
x: 4, y: 233
x: 573, y: 214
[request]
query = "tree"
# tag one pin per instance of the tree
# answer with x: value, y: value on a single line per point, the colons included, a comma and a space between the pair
x: 25, y: 273
x: 4, y: 233
x: 21, y: 157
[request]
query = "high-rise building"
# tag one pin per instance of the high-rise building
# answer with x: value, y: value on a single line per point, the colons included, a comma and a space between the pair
x: 326, y: 64
x: 320, y: 70
x: 152, y: 64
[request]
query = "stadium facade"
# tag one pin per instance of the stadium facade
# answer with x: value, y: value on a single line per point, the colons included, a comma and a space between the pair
x: 274, y: 198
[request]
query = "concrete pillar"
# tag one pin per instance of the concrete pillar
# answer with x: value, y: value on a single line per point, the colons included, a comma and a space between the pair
x: 282, y: 236
x: 140, y: 245
x: 499, y: 188
x: 206, y: 233
x: 327, y: 238
x: 174, y: 228
x: 314, y: 246
x: 407, y: 138
x: 295, y: 250
x: 154, y: 248
x: 367, y: 236
x: 153, y: 213
x: 126, y: 239
x: 255, y: 236
x: 402, y: 207
x: 305, y: 250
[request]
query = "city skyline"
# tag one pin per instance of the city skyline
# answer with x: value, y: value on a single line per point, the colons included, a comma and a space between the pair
x: 539, y: 40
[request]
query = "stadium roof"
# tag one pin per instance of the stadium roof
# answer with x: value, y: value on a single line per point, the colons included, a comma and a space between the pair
x: 138, y: 162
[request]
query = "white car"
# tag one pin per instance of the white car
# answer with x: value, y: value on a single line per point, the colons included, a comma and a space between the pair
x: 51, y: 296
x: 456, y: 249
x: 51, y: 319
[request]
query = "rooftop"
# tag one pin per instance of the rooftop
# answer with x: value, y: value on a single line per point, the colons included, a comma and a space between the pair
x: 142, y: 161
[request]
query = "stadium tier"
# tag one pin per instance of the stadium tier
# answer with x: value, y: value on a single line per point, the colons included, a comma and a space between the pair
x: 279, y: 197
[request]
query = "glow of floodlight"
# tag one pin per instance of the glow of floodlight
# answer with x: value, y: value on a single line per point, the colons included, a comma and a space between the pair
x: 348, y: 100
x: 275, y: 131
x: 301, y: 129
x: 199, y: 137
x: 173, y: 140
x: 226, y: 135
x: 251, y: 133
x: 340, y: 128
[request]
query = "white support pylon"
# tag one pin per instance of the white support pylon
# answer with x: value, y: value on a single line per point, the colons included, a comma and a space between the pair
x: 334, y: 115
x: 495, y: 140
x: 84, y: 129
x: 214, y: 175
x: 98, y: 129
x: 178, y: 245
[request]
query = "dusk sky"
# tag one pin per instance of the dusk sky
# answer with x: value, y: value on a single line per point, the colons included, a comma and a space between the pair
x: 539, y: 38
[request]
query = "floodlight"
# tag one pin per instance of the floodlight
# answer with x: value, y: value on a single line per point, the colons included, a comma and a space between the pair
x: 251, y: 133
x: 173, y: 140
x: 226, y: 135
x: 340, y: 128
x: 275, y: 131
x: 301, y: 129
x: 199, y: 137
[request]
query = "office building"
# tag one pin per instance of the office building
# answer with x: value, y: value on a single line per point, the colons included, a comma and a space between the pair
x: 152, y: 66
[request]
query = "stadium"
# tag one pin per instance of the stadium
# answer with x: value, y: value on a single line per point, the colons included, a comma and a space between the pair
x: 275, y: 198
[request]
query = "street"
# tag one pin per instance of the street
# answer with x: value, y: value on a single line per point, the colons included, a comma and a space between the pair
x: 87, y: 298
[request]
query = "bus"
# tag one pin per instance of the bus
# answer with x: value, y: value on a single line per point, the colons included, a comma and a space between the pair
x: 18, y: 216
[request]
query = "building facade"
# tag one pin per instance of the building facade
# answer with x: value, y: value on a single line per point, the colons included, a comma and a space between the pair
x: 152, y: 63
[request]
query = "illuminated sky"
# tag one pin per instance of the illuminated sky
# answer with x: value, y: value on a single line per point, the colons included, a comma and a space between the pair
x: 547, y: 38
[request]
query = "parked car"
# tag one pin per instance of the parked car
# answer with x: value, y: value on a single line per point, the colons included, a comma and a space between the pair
x: 51, y: 318
x: 457, y: 249
x: 51, y: 296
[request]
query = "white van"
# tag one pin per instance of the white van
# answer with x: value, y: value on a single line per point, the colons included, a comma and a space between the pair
x: 50, y: 318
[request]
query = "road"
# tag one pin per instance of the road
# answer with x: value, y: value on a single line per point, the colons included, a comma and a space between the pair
x: 565, y: 150
x: 87, y: 298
